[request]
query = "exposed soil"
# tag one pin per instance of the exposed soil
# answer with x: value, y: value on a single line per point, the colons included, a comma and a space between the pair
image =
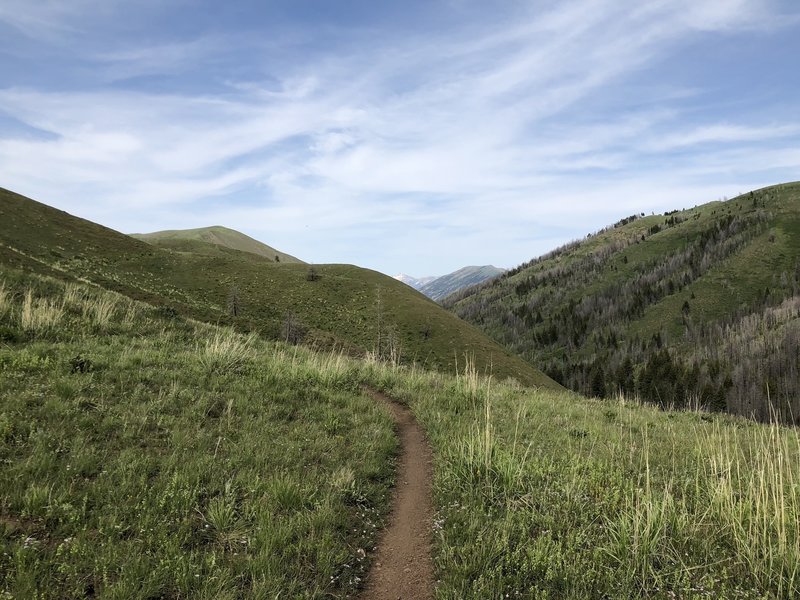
x: 402, y: 567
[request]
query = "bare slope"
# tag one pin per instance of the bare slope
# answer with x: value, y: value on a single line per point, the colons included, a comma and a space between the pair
x: 340, y: 306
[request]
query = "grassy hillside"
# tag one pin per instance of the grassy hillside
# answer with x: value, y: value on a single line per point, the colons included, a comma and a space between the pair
x: 448, y: 284
x: 217, y: 235
x: 680, y: 307
x: 144, y: 455
x: 327, y: 305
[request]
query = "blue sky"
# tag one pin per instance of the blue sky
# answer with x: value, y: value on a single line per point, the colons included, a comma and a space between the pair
x: 413, y: 136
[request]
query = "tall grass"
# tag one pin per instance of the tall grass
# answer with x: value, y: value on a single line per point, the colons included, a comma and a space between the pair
x: 130, y: 315
x: 5, y: 299
x: 225, y: 350
x: 101, y: 309
x: 40, y: 315
x: 75, y: 296
x: 754, y: 493
x: 548, y: 495
x: 469, y: 379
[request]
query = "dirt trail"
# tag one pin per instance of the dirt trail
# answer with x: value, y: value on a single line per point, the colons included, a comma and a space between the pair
x: 403, y: 569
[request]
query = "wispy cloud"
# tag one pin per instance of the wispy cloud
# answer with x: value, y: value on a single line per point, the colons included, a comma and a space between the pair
x: 473, y: 142
x: 724, y: 133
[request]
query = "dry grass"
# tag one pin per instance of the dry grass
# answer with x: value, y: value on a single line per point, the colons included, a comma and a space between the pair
x: 40, y: 315
x: 5, y: 299
x: 225, y: 350
x: 74, y: 296
x: 753, y: 494
x: 101, y: 309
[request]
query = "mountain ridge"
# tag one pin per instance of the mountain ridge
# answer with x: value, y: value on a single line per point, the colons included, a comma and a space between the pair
x: 443, y: 286
x: 438, y: 287
x: 414, y: 282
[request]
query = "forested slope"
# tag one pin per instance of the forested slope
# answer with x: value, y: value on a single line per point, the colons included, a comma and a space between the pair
x: 693, y: 306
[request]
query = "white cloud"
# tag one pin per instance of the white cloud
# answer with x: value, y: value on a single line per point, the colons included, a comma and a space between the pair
x: 721, y: 133
x: 493, y: 133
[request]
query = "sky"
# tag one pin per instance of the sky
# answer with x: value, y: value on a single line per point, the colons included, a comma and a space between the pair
x: 415, y: 137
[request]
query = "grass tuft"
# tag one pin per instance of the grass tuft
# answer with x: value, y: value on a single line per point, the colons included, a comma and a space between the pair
x: 40, y: 315
x: 5, y: 299
x: 101, y: 310
x: 225, y: 351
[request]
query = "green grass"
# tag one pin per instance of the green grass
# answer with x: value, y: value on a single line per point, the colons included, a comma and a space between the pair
x: 146, y: 456
x: 218, y: 236
x: 548, y: 495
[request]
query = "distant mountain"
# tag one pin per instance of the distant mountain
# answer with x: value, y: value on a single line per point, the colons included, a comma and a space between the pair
x: 176, y: 239
x: 414, y: 282
x: 440, y: 287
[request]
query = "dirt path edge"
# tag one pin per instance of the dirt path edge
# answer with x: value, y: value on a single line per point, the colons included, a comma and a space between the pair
x: 402, y: 568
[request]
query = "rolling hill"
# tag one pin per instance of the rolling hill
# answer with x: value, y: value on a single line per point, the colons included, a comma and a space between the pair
x: 329, y: 306
x: 178, y: 239
x: 145, y: 454
x: 696, y: 306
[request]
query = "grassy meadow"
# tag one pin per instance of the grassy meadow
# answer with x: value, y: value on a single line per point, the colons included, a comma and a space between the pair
x: 144, y: 455
x: 543, y: 494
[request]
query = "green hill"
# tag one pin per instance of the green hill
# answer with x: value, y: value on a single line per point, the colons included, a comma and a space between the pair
x: 217, y: 235
x: 693, y: 306
x: 330, y: 306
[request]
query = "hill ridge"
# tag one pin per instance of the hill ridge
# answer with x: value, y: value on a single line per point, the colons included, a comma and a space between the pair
x: 355, y: 310
x: 214, y: 234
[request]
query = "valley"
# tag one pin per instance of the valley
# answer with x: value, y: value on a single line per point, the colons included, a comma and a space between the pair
x: 157, y: 440
x: 583, y: 384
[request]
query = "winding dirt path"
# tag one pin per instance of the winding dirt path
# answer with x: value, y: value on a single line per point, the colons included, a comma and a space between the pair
x: 403, y: 569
